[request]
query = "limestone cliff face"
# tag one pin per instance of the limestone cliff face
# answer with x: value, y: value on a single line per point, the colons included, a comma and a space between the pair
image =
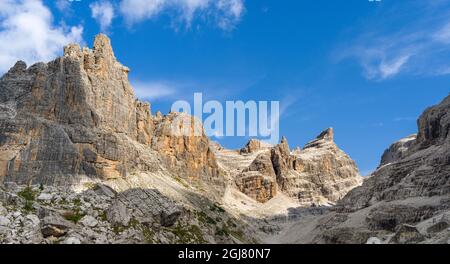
x: 407, y: 199
x: 78, y: 115
x: 422, y: 170
x: 321, y: 173
x: 186, y: 154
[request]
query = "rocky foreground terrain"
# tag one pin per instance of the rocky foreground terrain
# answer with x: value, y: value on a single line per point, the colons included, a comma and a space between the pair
x: 83, y: 161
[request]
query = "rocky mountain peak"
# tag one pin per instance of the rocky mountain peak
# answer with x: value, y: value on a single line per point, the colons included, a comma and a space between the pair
x: 102, y: 46
x: 320, y: 174
x: 324, y: 139
x: 254, y: 145
x: 18, y: 68
x: 327, y: 134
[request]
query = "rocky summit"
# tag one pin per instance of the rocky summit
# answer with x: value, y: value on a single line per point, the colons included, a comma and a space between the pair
x: 82, y: 160
x: 320, y: 173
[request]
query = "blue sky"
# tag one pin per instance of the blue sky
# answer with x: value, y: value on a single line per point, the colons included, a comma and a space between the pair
x: 368, y: 69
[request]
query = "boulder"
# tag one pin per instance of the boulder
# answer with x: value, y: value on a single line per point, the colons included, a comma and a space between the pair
x: 45, y: 197
x: 373, y: 240
x: 55, y: 225
x: 118, y: 214
x: 407, y: 234
x: 89, y: 221
x: 150, y: 205
x: 4, y: 221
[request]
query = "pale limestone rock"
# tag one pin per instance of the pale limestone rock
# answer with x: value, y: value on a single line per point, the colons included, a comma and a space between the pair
x: 254, y: 145
x: 373, y: 240
x: 321, y: 173
x: 118, y: 214
x: 72, y: 241
x: 89, y: 221
x: 34, y: 219
x: 45, y: 197
x: 4, y: 221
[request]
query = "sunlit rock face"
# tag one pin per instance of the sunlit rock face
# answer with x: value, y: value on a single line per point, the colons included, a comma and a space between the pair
x: 320, y: 173
x: 78, y: 115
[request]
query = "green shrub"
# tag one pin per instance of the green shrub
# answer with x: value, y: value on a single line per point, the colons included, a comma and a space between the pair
x: 27, y: 193
x: 73, y: 216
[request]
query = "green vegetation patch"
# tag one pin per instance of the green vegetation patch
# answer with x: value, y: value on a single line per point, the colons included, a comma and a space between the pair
x: 188, y: 234
x: 73, y: 216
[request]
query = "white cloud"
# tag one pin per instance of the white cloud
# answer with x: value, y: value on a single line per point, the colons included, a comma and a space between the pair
x: 393, y: 67
x: 153, y: 90
x: 413, y: 43
x: 103, y: 12
x: 27, y: 33
x: 63, y: 5
x: 223, y: 13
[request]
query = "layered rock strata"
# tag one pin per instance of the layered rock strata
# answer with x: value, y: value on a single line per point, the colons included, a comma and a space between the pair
x: 321, y: 173
x: 78, y: 116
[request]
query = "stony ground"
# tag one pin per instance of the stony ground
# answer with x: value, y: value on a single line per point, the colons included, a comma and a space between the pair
x: 46, y: 214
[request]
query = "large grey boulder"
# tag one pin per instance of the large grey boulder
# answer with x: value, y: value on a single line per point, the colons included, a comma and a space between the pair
x: 55, y: 225
x: 118, y: 214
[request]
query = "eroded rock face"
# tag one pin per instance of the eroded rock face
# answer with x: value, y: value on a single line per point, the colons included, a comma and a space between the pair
x: 397, y: 150
x: 254, y: 145
x: 406, y: 199
x: 258, y: 181
x: 320, y: 173
x: 78, y: 116
x: 185, y: 152
x: 423, y: 170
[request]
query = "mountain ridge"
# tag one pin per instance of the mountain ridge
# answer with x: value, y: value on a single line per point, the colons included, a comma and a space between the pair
x: 83, y: 160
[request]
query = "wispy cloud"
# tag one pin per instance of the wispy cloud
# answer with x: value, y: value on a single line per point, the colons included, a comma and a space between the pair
x: 223, y: 13
x: 404, y: 119
x: 103, y: 13
x: 63, y: 5
x: 391, y: 43
x: 27, y: 32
